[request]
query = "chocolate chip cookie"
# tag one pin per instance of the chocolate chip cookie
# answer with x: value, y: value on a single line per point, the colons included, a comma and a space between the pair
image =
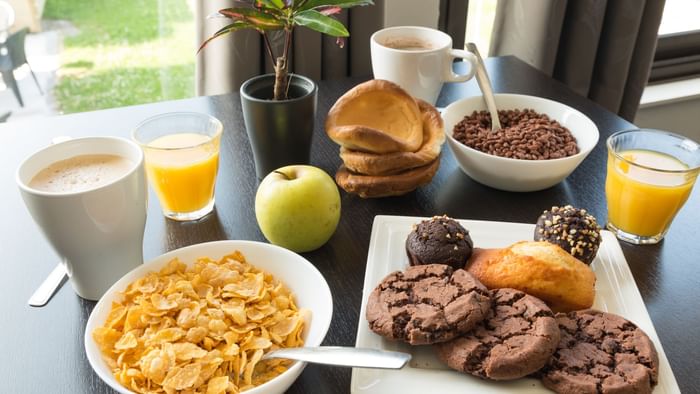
x: 439, y: 240
x: 516, y: 339
x: 427, y: 304
x: 601, y: 352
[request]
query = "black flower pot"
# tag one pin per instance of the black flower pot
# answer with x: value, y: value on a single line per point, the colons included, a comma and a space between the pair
x: 279, y: 131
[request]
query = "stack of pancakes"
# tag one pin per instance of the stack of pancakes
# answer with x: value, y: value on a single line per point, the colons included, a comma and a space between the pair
x: 390, y: 142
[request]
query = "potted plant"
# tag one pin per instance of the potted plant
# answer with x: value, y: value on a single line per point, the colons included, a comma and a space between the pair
x: 279, y: 109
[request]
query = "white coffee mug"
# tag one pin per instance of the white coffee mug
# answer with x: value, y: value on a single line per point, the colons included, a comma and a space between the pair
x: 418, y: 59
x: 98, y: 232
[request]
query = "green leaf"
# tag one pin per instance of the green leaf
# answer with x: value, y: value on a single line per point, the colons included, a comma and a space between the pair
x: 312, y: 4
x: 237, y: 25
x: 279, y: 4
x: 315, y: 20
x: 261, y: 20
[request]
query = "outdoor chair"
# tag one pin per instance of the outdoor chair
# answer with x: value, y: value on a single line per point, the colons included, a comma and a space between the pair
x: 12, y: 56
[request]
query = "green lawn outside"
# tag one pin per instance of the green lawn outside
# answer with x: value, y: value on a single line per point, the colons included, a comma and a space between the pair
x: 126, y: 52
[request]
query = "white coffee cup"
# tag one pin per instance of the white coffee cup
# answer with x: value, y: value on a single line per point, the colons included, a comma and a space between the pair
x: 98, y: 232
x: 418, y: 59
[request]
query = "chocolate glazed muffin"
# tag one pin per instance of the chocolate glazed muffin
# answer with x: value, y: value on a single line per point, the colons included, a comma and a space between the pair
x: 439, y: 240
x: 572, y: 229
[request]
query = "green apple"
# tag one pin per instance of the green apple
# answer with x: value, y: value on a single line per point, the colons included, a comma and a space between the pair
x: 298, y: 207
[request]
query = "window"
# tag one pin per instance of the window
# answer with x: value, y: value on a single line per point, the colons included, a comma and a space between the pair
x: 125, y: 52
x: 678, y: 49
x: 680, y: 16
x: 480, y: 17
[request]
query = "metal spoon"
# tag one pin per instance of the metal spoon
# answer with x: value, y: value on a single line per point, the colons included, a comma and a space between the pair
x: 482, y: 78
x: 49, y: 286
x: 343, y: 356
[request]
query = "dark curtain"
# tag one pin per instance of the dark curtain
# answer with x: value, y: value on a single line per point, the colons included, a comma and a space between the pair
x: 453, y: 20
x: 230, y: 60
x: 601, y: 49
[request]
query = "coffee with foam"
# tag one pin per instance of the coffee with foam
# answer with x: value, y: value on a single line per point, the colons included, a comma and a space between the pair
x: 408, y: 44
x: 80, y: 173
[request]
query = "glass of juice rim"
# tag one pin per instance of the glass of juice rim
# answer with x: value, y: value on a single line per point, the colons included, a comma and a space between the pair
x: 650, y: 175
x: 181, y: 151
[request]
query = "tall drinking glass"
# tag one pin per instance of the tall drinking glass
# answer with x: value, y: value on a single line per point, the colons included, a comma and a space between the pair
x: 182, y: 159
x: 649, y: 177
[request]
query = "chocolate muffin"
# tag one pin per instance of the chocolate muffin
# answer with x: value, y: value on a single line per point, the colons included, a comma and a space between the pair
x: 601, y: 352
x: 572, y: 229
x: 516, y: 339
x: 427, y: 304
x: 439, y: 240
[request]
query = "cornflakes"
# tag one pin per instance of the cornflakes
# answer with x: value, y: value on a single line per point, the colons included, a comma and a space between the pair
x: 202, y: 329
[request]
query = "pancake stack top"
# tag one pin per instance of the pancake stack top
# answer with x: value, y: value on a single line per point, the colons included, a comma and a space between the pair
x: 390, y: 142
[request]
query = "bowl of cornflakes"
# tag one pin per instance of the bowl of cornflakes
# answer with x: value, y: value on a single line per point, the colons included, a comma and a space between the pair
x: 200, y: 318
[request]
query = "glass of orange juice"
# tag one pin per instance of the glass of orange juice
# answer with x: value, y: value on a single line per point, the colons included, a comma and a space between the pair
x: 650, y: 175
x: 181, y: 152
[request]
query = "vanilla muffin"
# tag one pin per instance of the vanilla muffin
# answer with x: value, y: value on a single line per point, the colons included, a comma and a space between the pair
x: 540, y: 269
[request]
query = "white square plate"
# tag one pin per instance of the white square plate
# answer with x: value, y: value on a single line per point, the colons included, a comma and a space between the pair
x: 616, y: 292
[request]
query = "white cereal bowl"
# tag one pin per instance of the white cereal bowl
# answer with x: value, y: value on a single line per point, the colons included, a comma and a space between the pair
x: 518, y: 175
x: 298, y: 274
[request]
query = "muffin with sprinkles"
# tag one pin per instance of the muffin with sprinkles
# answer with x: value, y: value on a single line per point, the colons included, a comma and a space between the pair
x: 439, y: 240
x: 572, y: 229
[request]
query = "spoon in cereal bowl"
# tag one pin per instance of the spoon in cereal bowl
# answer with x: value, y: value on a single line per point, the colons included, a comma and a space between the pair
x: 343, y: 356
x: 482, y: 78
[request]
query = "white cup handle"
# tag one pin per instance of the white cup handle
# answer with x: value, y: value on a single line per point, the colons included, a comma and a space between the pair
x: 450, y: 75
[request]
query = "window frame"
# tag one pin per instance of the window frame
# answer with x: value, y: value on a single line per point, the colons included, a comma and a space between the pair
x: 677, y: 56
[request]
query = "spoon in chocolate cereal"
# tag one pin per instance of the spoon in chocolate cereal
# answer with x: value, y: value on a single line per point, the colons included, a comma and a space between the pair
x: 482, y: 78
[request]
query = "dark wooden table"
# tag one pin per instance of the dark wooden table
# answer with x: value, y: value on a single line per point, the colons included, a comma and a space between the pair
x: 42, y: 349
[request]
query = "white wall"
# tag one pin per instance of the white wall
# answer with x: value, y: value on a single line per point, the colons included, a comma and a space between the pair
x: 672, y: 106
x: 682, y: 117
x: 411, y: 13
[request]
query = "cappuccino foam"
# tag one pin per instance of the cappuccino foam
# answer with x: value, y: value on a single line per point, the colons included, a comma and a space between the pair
x: 80, y: 173
x: 408, y: 43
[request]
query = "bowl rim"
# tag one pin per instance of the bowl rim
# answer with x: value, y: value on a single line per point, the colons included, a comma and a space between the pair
x: 95, y: 357
x: 478, y: 153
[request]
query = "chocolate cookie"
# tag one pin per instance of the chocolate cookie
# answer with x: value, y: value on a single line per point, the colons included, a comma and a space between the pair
x: 439, y: 240
x: 427, y: 304
x: 601, y: 352
x: 516, y: 339
x: 572, y: 229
